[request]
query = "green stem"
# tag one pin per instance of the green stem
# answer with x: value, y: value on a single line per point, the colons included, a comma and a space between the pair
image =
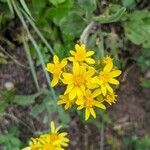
x: 38, y: 32
x: 28, y: 54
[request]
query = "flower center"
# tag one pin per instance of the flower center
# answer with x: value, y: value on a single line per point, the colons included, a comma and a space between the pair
x: 48, y: 147
x: 89, y: 103
x: 53, y: 137
x: 105, y: 76
x: 80, y: 57
x: 57, y: 69
x: 79, y: 80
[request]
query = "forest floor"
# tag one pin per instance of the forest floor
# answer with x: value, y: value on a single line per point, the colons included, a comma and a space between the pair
x: 130, y: 114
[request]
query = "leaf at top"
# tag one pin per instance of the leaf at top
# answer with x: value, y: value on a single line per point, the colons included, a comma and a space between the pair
x: 25, y: 99
x: 87, y: 5
x: 110, y: 18
x: 129, y: 3
x: 57, y: 2
x: 72, y: 24
x: 137, y: 28
x: 56, y: 14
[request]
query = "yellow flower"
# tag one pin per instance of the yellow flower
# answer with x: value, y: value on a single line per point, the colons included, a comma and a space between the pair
x: 77, y: 81
x: 56, y: 69
x: 64, y: 99
x: 88, y: 102
x: 81, y: 55
x: 107, y: 60
x: 59, y: 139
x: 111, y: 98
x: 106, y: 77
x: 52, y: 141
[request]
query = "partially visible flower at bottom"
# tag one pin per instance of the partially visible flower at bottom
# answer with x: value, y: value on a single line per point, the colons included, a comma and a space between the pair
x: 51, y: 141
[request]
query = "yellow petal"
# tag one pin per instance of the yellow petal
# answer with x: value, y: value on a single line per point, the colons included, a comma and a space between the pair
x: 90, y: 60
x: 63, y: 62
x: 58, y: 128
x: 54, y: 81
x: 109, y: 88
x: 56, y: 59
x: 79, y: 93
x: 60, y: 102
x: 103, y: 89
x: 108, y: 67
x: 64, y: 144
x: 77, y: 46
x: 72, y: 53
x: 50, y: 67
x: 93, y: 112
x: 87, y: 114
x: 100, y: 105
x: 114, y: 81
x: 73, y: 93
x: 66, y: 106
x: 83, y: 48
x: 63, y: 134
x: 80, y: 107
x: 76, y: 68
x: 115, y: 73
x: 89, y: 53
x: 90, y: 72
x: 96, y: 93
x: 52, y: 126
x: 69, y: 88
x: 82, y: 87
x: 71, y: 58
x: 27, y: 148
x: 80, y: 101
x: 68, y: 78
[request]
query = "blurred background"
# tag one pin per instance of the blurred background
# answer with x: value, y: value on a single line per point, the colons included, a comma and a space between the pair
x: 31, y: 31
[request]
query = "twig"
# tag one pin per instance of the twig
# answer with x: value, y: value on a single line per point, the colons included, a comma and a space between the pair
x: 11, y: 57
x: 29, y: 57
x: 86, y: 32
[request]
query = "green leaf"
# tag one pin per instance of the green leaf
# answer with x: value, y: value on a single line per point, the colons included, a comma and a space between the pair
x: 129, y: 3
x: 110, y: 18
x: 25, y: 99
x: 38, y: 108
x: 72, y: 24
x: 143, y: 143
x: 137, y: 28
x: 146, y: 83
x: 64, y: 117
x: 57, y: 2
x: 6, y: 97
x: 88, y: 6
x: 56, y: 14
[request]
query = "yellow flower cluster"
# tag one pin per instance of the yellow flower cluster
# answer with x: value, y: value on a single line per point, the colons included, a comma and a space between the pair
x: 52, y: 141
x: 88, y: 83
